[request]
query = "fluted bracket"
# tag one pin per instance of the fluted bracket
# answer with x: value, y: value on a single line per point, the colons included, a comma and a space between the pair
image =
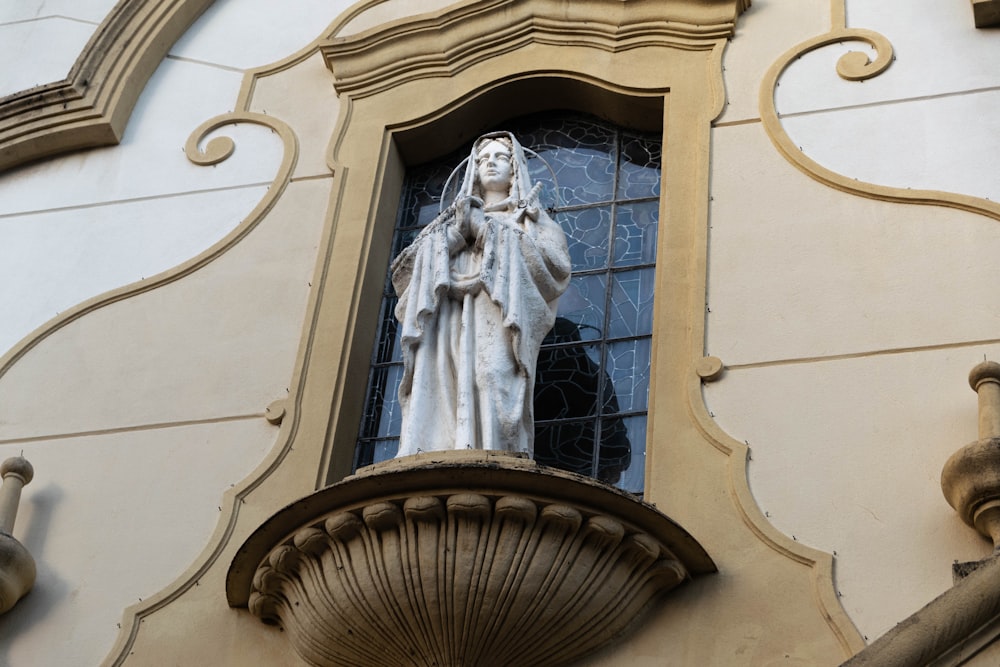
x: 460, y: 558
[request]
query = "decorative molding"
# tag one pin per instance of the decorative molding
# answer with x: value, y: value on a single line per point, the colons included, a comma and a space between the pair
x: 693, y: 468
x: 92, y: 105
x: 215, y: 150
x: 460, y: 558
x: 819, y: 562
x: 852, y: 66
x: 204, y: 151
x: 986, y: 13
x: 443, y: 44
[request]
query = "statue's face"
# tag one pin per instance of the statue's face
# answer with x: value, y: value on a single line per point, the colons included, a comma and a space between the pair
x: 493, y: 164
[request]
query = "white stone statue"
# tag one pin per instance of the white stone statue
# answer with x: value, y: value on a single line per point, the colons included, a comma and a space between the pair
x: 477, y: 293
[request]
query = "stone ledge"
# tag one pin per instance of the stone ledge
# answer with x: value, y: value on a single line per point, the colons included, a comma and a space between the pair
x: 460, y: 558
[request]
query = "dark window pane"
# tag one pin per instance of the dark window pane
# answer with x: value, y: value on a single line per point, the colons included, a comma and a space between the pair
x: 639, y: 174
x: 568, y: 382
x: 566, y: 445
x: 375, y: 451
x: 625, y: 470
x: 583, y: 304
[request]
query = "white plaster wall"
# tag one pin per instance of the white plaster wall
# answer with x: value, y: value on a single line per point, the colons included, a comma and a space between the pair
x: 141, y: 414
x: 52, y: 31
x: 814, y: 295
x: 56, y: 41
x: 107, y: 525
x: 849, y: 325
x: 765, y: 31
x: 928, y: 122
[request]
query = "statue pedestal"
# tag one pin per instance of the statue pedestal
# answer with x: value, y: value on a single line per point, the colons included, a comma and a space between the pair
x: 460, y: 558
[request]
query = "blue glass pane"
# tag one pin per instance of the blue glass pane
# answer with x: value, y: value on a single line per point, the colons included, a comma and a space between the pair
x: 580, y: 152
x: 587, y: 233
x: 627, y: 367
x: 387, y: 347
x: 631, y: 304
x: 628, y: 473
x: 391, y: 418
x: 583, y: 305
x: 383, y: 450
x: 635, y: 233
x: 639, y: 172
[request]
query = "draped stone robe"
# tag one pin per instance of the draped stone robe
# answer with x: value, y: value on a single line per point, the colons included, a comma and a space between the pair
x: 472, y: 318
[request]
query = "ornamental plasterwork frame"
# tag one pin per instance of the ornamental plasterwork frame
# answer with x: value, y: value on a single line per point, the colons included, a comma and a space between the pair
x: 92, y: 105
x: 515, y: 43
x: 852, y: 66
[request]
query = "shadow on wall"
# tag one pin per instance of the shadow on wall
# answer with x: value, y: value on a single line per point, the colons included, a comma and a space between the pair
x: 49, y: 590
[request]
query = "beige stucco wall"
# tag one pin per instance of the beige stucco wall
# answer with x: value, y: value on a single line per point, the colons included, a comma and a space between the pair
x: 848, y: 324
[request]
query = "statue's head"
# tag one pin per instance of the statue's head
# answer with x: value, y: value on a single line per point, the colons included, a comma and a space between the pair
x: 495, y: 165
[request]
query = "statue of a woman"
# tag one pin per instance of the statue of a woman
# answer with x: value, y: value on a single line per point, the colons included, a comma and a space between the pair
x: 477, y: 293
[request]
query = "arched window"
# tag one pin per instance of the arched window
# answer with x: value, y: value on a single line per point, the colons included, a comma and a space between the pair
x: 592, y: 380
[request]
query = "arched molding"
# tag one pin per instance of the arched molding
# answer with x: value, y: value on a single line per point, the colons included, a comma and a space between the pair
x: 92, y: 105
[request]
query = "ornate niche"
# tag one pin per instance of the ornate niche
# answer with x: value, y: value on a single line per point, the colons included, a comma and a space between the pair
x: 467, y: 557
x: 460, y: 558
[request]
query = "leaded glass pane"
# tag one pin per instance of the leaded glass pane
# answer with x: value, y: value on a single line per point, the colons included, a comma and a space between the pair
x: 581, y: 153
x: 635, y: 233
x: 627, y: 472
x: 627, y: 365
x: 423, y: 194
x: 587, y: 231
x: 639, y: 170
x: 583, y: 304
x: 631, y: 308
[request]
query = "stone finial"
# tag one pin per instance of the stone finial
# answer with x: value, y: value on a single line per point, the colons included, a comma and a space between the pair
x: 971, y: 477
x: 17, y: 567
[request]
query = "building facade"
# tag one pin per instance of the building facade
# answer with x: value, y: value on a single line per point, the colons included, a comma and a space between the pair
x: 198, y: 220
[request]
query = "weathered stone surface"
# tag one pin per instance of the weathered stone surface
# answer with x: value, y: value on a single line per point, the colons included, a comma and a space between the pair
x: 460, y: 558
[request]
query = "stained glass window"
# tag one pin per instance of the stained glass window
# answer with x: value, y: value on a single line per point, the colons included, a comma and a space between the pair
x: 592, y: 381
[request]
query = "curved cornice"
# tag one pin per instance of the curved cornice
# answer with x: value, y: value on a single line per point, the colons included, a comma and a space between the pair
x: 447, y: 42
x: 92, y: 105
